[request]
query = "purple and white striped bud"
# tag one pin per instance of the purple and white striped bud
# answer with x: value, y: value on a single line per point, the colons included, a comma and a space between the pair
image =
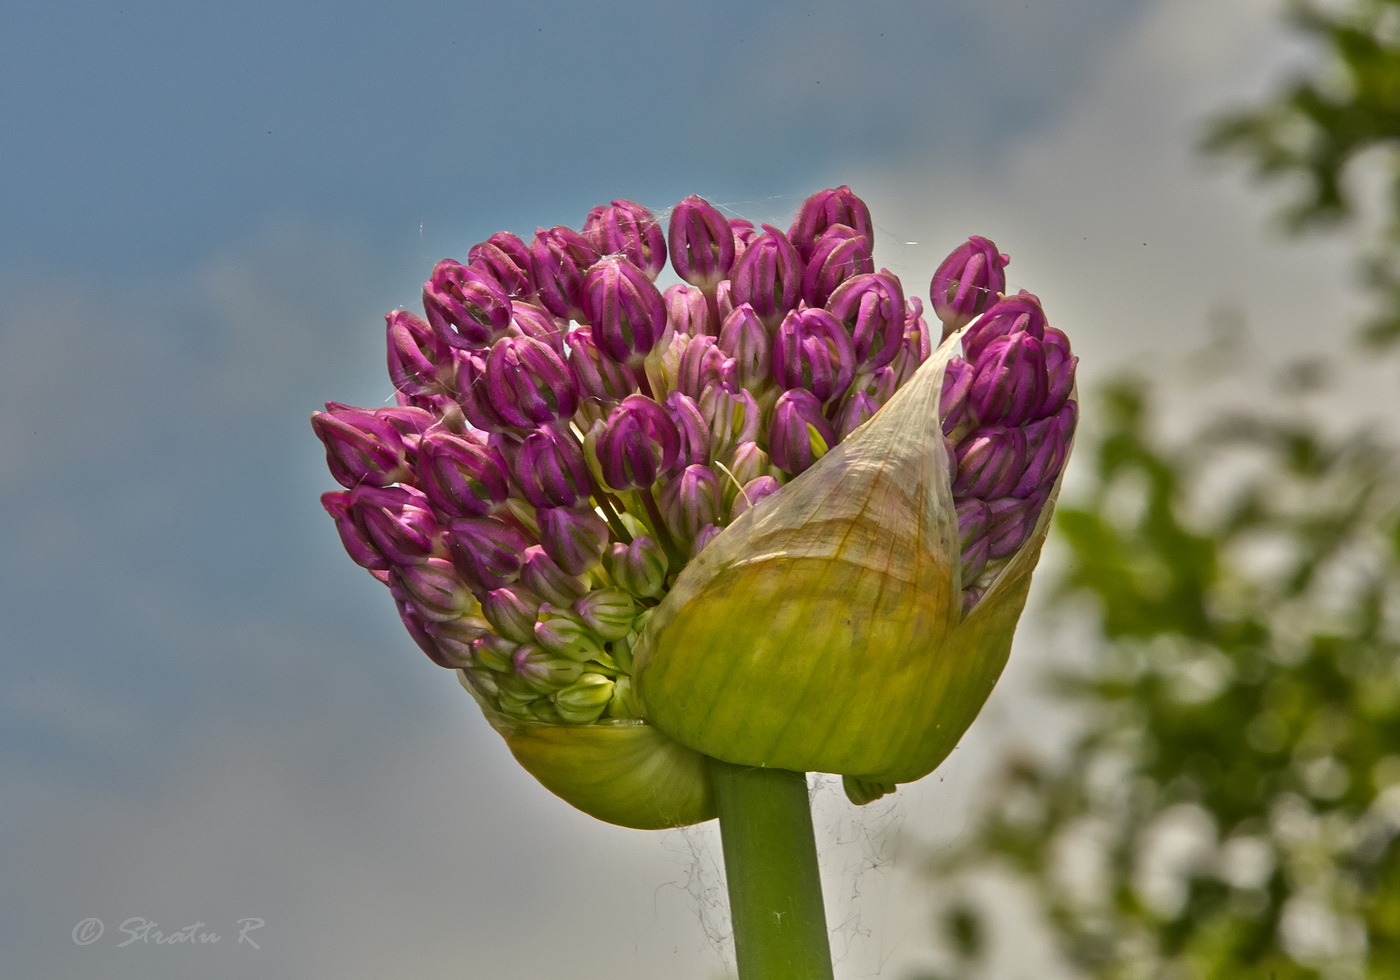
x: 560, y: 258
x: 688, y: 311
x: 607, y: 612
x: 550, y: 469
x: 702, y: 243
x: 812, y: 350
x: 699, y: 363
x: 639, y: 567
x: 746, y: 463
x: 751, y: 493
x: 435, y: 590
x: 358, y: 546
x: 466, y: 306
x: 625, y: 309
x: 506, y: 259
x: 768, y: 277
x: 1008, y: 384
x: 1014, y: 314
x: 529, y: 320
x: 398, y: 521
x: 544, y: 576
x: 871, y: 307
x: 967, y: 282
x: 1047, y: 447
x: 574, y: 537
x: 362, y: 446
x: 638, y: 443
x: 990, y: 460
x: 822, y: 210
x: 511, y: 611
x: 420, y: 363
x: 952, y: 403
x: 745, y: 339
x: 528, y: 383
x: 840, y: 253
x: 733, y: 416
x: 690, y: 501
x: 1059, y: 372
x: 799, y: 434
x: 627, y: 229
x: 460, y: 476
x: 694, y: 433
x: 597, y: 375
x: 486, y: 551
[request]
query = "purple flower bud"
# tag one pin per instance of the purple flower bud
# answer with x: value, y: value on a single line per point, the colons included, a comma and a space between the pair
x: 1047, y: 447
x: 687, y: 310
x: 752, y: 492
x: 1059, y: 372
x: 474, y: 393
x: 799, y: 434
x: 466, y: 306
x: 358, y: 546
x: 596, y: 374
x: 856, y: 410
x: 968, y: 281
x: 744, y: 233
x: 1014, y: 314
x: 625, y: 309
x: 638, y: 443
x: 454, y: 640
x: 362, y: 447
x: 1008, y: 384
x: 398, y: 521
x: 747, y: 463
x: 917, y: 342
x: 550, y: 469
x: 419, y: 362
x: 529, y: 320
x: 691, y: 501
x: 834, y: 206
x: 990, y: 461
x: 694, y: 433
x: 745, y: 339
x: 543, y: 671
x: 435, y: 590
x: 511, y: 612
x: 486, y: 551
x: 452, y: 651
x: 702, y: 243
x: 528, y: 383
x: 732, y: 415
x: 839, y: 254
x: 565, y: 636
x: 871, y: 307
x: 768, y: 277
x: 952, y: 402
x: 505, y: 258
x: 573, y: 537
x: 700, y: 363
x: 639, y: 567
x: 813, y: 351
x: 703, y: 537
x: 461, y: 477
x: 560, y: 257
x: 972, y: 530
x: 607, y: 612
x: 1010, y: 521
x: 626, y: 228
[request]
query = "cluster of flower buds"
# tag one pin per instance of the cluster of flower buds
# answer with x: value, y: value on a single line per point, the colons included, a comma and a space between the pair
x: 568, y: 435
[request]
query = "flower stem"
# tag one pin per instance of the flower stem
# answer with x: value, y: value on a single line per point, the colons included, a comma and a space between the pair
x: 770, y: 861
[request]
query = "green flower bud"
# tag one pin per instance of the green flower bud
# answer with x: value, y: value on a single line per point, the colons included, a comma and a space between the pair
x: 567, y: 636
x: 584, y: 700
x: 824, y: 630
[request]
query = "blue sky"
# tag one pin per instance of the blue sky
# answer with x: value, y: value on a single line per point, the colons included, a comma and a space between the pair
x: 207, y: 712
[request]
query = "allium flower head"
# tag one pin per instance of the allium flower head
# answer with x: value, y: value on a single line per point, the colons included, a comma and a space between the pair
x: 756, y: 517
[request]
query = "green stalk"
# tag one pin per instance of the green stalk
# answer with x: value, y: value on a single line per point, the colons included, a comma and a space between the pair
x: 770, y: 861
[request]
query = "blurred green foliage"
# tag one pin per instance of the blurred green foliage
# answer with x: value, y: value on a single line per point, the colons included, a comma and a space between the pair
x: 1322, y: 125
x: 1229, y: 806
